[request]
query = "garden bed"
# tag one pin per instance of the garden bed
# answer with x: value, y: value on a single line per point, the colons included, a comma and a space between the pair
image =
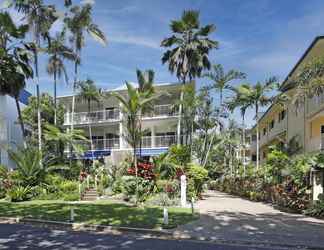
x: 98, y: 213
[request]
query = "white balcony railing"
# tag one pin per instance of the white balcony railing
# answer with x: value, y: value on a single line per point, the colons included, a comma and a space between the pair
x: 114, y: 115
x: 147, y: 142
x: 92, y: 117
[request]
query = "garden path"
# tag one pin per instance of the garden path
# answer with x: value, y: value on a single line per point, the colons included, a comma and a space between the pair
x: 230, y: 218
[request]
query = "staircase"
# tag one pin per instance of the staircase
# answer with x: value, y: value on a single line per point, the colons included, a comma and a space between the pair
x: 90, y: 195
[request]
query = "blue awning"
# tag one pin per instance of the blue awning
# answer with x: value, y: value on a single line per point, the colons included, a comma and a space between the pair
x: 89, y: 155
x: 151, y: 151
x: 24, y: 96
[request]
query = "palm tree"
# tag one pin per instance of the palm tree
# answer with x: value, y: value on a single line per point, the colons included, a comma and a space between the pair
x: 80, y: 22
x: 257, y: 96
x: 89, y: 92
x: 55, y: 66
x: 145, y: 87
x: 40, y: 18
x: 14, y: 61
x: 239, y: 101
x: 132, y: 105
x: 188, y: 49
x: 222, y: 80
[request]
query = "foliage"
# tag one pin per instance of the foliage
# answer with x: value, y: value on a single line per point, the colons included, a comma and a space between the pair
x: 19, y: 193
x: 276, y: 162
x: 189, y: 46
x: 164, y: 168
x: 145, y: 170
x: 162, y: 199
x: 197, y: 177
x: 169, y: 187
x: 179, y: 154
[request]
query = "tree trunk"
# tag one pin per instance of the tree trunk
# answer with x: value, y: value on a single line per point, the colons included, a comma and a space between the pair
x: 90, y: 133
x: 21, y: 122
x: 39, y: 128
x: 243, y: 142
x: 180, y: 119
x: 55, y: 106
x: 258, y: 139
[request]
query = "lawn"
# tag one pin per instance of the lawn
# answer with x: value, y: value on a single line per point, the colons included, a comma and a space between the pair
x: 100, y: 212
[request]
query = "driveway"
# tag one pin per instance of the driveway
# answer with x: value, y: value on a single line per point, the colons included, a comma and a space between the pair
x: 230, y: 218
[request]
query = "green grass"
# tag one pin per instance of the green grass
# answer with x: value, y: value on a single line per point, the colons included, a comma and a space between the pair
x: 100, y: 212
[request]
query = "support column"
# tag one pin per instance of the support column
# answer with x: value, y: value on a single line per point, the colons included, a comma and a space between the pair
x: 179, y: 120
x: 121, y: 139
x: 153, y: 141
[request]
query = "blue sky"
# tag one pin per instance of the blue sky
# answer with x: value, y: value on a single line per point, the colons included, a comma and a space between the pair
x: 259, y: 37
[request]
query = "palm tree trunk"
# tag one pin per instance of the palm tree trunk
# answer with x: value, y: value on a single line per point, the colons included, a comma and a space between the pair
x: 258, y: 139
x: 243, y: 142
x: 90, y: 133
x: 209, y: 147
x: 39, y: 128
x: 135, y: 160
x: 55, y: 111
x: 221, y: 98
x: 180, y: 118
x: 21, y: 122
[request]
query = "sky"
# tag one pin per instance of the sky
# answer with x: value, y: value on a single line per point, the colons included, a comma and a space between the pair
x: 261, y: 38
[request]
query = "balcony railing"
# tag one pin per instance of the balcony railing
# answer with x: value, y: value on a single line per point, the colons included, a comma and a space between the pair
x: 114, y: 115
x: 147, y: 142
x: 92, y: 117
x: 162, y: 110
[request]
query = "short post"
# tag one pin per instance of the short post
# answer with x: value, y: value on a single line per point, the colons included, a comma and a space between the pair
x: 183, y: 191
x: 192, y: 205
x: 80, y: 188
x: 96, y: 179
x: 165, y: 216
x: 72, y: 214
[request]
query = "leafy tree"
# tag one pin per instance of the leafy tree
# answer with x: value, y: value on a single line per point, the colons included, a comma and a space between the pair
x: 39, y: 18
x: 14, y: 61
x: 257, y: 96
x: 222, y: 80
x: 132, y: 105
x: 58, y: 52
x: 188, y: 49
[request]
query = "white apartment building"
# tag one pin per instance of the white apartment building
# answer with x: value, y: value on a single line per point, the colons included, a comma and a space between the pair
x: 108, y: 127
x: 10, y: 131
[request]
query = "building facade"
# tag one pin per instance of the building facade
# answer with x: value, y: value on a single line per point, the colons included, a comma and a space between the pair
x: 303, y: 124
x: 160, y: 126
x: 10, y: 131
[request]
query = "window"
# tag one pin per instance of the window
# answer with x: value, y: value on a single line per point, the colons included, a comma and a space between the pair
x: 271, y: 124
x: 264, y: 131
x: 282, y: 115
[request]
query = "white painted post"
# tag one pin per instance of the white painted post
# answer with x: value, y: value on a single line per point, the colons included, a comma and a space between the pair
x: 183, y: 191
x: 153, y: 137
x: 165, y: 216
x: 96, y: 179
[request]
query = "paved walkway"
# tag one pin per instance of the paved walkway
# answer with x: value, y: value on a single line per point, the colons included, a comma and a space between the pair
x: 231, y: 218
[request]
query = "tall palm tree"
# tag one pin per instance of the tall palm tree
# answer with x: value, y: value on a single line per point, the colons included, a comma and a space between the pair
x: 132, y: 105
x: 188, y: 49
x: 14, y: 61
x: 89, y: 92
x: 40, y: 18
x: 57, y: 53
x: 257, y: 96
x: 222, y: 80
x: 79, y: 21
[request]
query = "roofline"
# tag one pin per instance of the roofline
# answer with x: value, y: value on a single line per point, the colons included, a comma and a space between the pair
x: 161, y: 84
x: 282, y: 87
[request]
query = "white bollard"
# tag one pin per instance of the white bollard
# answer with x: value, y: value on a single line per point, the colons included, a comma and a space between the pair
x: 165, y: 216
x: 183, y: 191
x: 88, y: 181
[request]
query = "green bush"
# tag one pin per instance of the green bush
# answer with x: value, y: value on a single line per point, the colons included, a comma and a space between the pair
x: 179, y: 154
x: 162, y: 199
x: 19, y: 193
x: 68, y: 186
x: 71, y: 196
x: 316, y: 210
x: 197, y: 177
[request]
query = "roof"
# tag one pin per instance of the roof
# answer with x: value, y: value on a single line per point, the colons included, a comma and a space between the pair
x: 284, y: 86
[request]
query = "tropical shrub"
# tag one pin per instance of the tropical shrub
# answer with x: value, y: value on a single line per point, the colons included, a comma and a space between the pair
x: 197, y: 177
x: 162, y: 199
x: 179, y: 154
x: 169, y: 187
x: 19, y: 193
x: 316, y: 209
x: 144, y: 170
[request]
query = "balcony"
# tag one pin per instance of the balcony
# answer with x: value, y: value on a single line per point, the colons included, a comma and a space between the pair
x: 92, y: 117
x: 114, y: 115
x: 147, y: 142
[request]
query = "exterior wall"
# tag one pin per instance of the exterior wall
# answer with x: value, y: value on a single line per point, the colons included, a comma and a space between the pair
x: 10, y: 132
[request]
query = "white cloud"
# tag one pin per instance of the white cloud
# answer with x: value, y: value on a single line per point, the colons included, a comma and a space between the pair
x: 135, y: 40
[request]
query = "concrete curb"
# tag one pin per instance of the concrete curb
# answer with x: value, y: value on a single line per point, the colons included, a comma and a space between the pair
x: 154, y: 233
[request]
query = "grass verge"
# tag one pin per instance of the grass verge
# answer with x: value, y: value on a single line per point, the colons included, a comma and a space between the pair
x: 99, y: 212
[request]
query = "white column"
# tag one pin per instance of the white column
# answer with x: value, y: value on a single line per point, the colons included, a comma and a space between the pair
x: 183, y: 192
x: 153, y: 145
x: 317, y: 184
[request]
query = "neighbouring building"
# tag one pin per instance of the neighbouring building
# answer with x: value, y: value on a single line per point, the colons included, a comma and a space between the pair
x: 108, y: 127
x: 304, y: 124
x: 10, y: 131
